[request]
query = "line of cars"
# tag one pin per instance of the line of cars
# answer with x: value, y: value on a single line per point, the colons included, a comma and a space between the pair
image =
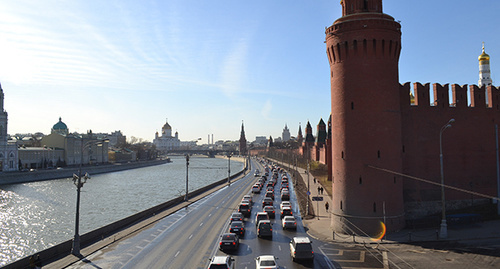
x: 300, y: 247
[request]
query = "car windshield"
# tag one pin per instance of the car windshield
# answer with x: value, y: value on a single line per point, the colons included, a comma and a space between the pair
x: 304, y: 247
x: 236, y: 225
x: 228, y: 237
x: 267, y: 263
x: 218, y: 266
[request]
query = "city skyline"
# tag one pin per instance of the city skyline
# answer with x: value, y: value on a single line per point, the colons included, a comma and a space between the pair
x: 105, y: 66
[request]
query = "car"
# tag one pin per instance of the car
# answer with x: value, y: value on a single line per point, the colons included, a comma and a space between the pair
x: 289, y: 222
x: 261, y: 216
x: 236, y: 216
x: 237, y: 227
x: 301, y: 249
x: 245, y: 208
x: 264, y: 228
x: 256, y: 188
x: 286, y: 211
x: 270, y: 188
x: 270, y: 194
x: 285, y: 203
x: 218, y: 262
x: 267, y: 201
x: 229, y: 241
x: 247, y: 198
x: 266, y: 261
x: 270, y: 211
x: 285, y: 196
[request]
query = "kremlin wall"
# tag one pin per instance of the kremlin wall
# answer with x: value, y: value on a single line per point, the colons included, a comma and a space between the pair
x: 381, y: 142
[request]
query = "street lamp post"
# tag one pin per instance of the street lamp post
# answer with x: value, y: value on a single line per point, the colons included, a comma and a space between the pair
x: 79, y: 181
x: 229, y: 168
x: 187, y: 166
x: 443, y: 233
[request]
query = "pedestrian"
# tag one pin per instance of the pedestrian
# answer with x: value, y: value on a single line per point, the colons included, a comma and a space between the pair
x: 38, y: 262
x: 326, y: 206
x: 314, y: 180
x: 319, y: 189
x: 322, y: 190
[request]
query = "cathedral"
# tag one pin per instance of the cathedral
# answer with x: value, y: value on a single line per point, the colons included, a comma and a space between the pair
x: 166, y: 141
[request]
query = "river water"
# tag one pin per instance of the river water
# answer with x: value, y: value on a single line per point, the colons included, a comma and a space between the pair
x: 38, y: 215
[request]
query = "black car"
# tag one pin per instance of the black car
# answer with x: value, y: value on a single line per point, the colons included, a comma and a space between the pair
x: 267, y: 201
x: 236, y: 216
x: 237, y: 227
x: 229, y: 241
x: 270, y: 211
x: 245, y: 209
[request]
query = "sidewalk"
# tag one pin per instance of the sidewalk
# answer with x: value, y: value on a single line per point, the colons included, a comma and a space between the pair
x: 319, y: 227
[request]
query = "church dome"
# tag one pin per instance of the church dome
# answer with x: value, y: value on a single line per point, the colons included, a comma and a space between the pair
x: 60, y: 125
x: 167, y: 126
x: 483, y: 56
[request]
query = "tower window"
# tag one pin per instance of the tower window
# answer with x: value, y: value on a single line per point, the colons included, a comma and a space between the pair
x: 340, y: 205
x: 378, y: 154
x: 374, y: 207
x: 342, y: 155
x: 360, y: 180
x: 352, y: 105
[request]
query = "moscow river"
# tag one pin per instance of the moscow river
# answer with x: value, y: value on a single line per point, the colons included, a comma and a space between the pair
x: 35, y: 216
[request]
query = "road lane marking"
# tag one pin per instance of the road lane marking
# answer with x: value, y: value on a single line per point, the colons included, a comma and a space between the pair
x: 201, y: 224
x: 386, y: 261
x: 191, y: 236
x: 176, y: 254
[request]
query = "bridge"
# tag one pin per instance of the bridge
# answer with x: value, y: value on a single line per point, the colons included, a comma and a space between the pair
x: 207, y: 152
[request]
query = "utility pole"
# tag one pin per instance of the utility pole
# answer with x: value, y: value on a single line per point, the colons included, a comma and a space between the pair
x: 187, y: 179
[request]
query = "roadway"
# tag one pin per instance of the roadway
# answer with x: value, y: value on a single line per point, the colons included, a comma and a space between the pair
x: 190, y: 237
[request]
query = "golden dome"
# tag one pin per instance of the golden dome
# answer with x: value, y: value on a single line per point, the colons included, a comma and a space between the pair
x: 483, y: 56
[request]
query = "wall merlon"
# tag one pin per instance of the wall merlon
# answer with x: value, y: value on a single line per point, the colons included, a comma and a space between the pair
x: 459, y: 95
x: 421, y: 94
x: 477, y: 96
x: 493, y: 94
x: 441, y: 95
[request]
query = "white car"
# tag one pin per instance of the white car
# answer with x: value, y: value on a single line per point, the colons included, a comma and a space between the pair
x: 222, y: 262
x: 289, y: 222
x: 266, y: 261
x: 285, y: 204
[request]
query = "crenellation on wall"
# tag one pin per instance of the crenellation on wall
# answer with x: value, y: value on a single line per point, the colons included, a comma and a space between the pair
x: 441, y: 95
x: 493, y: 95
x: 421, y: 94
x: 477, y: 96
x: 459, y: 96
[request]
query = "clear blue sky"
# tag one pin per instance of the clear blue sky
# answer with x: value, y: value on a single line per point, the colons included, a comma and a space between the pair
x: 208, y: 65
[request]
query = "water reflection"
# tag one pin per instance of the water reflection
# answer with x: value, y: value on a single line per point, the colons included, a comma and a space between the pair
x: 38, y: 215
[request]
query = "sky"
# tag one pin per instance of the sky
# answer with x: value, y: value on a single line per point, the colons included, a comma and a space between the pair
x: 208, y: 66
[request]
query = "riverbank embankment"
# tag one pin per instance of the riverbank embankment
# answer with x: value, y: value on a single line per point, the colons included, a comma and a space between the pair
x: 59, y: 256
x: 67, y: 172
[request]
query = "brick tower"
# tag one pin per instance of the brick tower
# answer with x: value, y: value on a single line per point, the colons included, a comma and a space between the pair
x: 363, y: 48
x: 243, y: 141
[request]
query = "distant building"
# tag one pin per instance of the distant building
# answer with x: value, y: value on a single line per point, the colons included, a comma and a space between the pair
x: 95, y: 146
x: 117, y: 139
x: 243, y: 141
x: 286, y: 134
x: 166, y: 141
x: 8, y: 149
x: 261, y: 140
x: 484, y: 70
